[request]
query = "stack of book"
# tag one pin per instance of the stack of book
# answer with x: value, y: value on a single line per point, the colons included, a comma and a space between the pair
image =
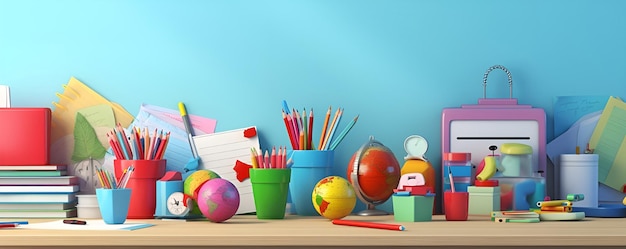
x: 515, y: 216
x: 41, y: 191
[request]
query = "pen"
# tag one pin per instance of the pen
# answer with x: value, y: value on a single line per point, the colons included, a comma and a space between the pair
x: 75, y: 222
x: 369, y: 224
x: 14, y: 222
x: 9, y: 225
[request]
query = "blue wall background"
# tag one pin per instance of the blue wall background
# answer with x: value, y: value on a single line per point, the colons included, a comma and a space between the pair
x: 397, y: 64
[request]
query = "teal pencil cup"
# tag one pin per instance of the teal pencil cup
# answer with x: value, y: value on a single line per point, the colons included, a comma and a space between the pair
x: 309, y: 166
x: 113, y: 204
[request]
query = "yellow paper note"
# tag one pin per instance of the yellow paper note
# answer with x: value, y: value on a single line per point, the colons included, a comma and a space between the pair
x: 609, y: 142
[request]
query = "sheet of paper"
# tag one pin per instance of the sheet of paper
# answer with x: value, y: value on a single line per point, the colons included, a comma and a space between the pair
x: 201, y: 125
x: 220, y: 151
x: 91, y: 225
x: 569, y: 109
x: 577, y: 135
x: 609, y: 142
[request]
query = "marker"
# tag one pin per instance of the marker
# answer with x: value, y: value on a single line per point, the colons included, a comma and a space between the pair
x: 9, y: 225
x: 75, y: 222
x: 369, y: 224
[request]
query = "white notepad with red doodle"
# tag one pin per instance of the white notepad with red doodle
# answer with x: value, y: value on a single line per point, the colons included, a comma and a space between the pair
x: 224, y: 152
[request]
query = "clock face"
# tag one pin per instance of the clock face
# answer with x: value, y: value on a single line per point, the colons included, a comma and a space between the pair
x: 415, y: 147
x: 178, y: 204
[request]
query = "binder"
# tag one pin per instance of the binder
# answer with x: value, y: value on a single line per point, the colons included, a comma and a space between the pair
x: 474, y: 128
x: 24, y: 136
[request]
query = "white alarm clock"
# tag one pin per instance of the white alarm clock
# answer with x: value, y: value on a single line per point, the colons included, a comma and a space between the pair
x: 179, y: 204
x: 415, y: 147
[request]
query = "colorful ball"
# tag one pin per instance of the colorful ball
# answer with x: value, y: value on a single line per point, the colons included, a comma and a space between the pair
x: 333, y: 197
x: 193, y: 182
x: 196, y: 179
x: 218, y: 200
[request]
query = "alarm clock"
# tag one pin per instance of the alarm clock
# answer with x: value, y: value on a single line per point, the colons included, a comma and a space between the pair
x: 169, y: 184
x: 179, y: 204
x: 415, y: 147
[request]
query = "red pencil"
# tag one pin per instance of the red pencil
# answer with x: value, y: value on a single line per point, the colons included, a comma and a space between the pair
x: 369, y: 224
x: 273, y: 158
x: 310, y: 133
x: 287, y: 120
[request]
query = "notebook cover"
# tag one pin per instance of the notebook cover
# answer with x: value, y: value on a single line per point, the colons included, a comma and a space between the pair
x: 24, y: 136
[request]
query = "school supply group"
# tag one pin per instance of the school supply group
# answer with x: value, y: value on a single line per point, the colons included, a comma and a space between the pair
x: 139, y: 144
x: 300, y: 129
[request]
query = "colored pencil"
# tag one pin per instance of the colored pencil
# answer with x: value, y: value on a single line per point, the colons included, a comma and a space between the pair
x: 333, y: 129
x: 369, y: 224
x: 344, y: 133
x: 327, y: 135
x: 253, y: 158
x: 309, y: 139
x: 305, y: 129
x: 289, y: 129
x: 322, y: 135
x: 273, y: 158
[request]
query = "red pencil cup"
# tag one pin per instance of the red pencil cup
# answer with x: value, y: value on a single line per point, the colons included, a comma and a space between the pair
x: 456, y: 205
x: 143, y: 184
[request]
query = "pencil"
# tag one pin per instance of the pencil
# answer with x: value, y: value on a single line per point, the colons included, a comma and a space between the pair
x: 309, y: 139
x: 319, y: 146
x: 301, y: 141
x: 451, y: 180
x: 369, y: 224
x: 333, y: 129
x: 288, y: 128
x: 273, y: 158
x: 128, y: 148
x: 253, y: 158
x: 305, y: 128
x: 344, y: 133
x: 327, y: 135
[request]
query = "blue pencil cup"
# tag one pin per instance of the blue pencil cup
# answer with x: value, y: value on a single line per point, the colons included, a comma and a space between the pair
x: 309, y: 166
x: 113, y: 204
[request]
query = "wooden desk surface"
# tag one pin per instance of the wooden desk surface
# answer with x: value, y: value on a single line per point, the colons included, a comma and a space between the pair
x: 246, y: 230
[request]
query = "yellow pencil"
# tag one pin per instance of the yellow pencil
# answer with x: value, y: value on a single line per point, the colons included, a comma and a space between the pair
x: 253, y: 157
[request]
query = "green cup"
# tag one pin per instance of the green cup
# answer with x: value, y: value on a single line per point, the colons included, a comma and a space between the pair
x: 270, y: 188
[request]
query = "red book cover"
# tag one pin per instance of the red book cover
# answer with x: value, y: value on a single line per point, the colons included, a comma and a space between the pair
x: 24, y: 136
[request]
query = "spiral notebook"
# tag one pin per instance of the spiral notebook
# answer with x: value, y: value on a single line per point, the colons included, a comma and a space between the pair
x: 80, y: 120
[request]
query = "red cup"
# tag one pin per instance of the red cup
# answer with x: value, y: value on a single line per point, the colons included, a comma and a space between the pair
x: 455, y: 205
x: 143, y: 184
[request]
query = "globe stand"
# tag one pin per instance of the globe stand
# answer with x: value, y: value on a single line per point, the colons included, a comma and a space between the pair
x: 372, y: 211
x: 354, y: 177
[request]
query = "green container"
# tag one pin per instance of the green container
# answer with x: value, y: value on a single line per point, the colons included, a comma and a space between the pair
x: 270, y: 188
x: 413, y: 208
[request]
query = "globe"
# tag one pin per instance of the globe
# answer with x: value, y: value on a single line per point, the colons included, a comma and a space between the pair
x: 333, y: 197
x: 193, y: 182
x: 218, y: 200
x: 374, y: 172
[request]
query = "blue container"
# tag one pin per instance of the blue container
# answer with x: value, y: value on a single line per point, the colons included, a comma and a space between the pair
x: 113, y: 204
x: 308, y: 168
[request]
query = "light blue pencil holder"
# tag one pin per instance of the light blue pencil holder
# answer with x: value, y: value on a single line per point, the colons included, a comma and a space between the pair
x: 113, y: 204
x: 308, y: 168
